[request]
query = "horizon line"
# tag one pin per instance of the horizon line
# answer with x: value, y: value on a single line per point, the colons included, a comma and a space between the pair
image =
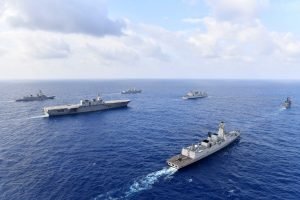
x: 108, y: 79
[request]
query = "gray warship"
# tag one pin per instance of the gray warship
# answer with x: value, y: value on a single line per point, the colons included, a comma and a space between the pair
x: 131, y: 91
x: 287, y: 103
x: 204, y: 148
x: 84, y: 106
x: 195, y: 95
x: 39, y: 97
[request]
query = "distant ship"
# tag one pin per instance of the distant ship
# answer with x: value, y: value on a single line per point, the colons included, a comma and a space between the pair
x: 39, y: 97
x: 204, y: 148
x: 195, y: 95
x: 85, y: 106
x: 287, y: 103
x: 131, y: 91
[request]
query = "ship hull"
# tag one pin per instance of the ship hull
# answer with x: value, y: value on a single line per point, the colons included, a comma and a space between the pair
x: 77, y: 109
x: 35, y: 99
x: 287, y: 105
x: 196, y: 97
x: 180, y: 161
x: 137, y: 92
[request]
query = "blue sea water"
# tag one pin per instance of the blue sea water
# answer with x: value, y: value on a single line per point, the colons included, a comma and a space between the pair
x: 121, y: 154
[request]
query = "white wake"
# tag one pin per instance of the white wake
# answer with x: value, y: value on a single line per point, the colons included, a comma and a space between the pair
x: 8, y: 101
x: 145, y: 183
x: 39, y: 116
x: 282, y: 108
x: 140, y: 184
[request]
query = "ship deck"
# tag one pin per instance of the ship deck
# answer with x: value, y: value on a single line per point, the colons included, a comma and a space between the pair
x: 70, y: 106
x: 179, y: 161
x: 117, y: 101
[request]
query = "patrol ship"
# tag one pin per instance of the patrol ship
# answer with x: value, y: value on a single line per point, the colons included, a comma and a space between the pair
x: 85, y: 106
x: 204, y: 148
x: 287, y: 103
x: 131, y: 91
x: 39, y: 97
x: 195, y: 95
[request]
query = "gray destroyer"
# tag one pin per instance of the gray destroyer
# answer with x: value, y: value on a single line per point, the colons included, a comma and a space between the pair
x: 204, y: 148
x: 287, y: 103
x: 39, y: 97
x: 195, y: 95
x: 85, y: 106
x: 131, y: 91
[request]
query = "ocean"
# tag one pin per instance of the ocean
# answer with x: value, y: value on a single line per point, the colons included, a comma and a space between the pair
x: 121, y: 154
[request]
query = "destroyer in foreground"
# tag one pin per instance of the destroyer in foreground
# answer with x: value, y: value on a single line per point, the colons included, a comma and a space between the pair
x: 39, y: 97
x: 195, y: 95
x: 131, y: 91
x: 196, y: 152
x: 287, y: 103
x: 85, y: 106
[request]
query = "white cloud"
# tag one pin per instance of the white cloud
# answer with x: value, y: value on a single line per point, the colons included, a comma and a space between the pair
x: 229, y: 40
x: 68, y: 16
x: 221, y: 49
x: 215, y: 48
x: 30, y: 45
x: 50, y: 49
x: 1, y: 7
x: 288, y: 46
x: 192, y: 20
x: 237, y: 9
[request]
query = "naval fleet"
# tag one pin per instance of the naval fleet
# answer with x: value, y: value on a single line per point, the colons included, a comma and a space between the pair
x: 204, y: 148
x: 189, y: 155
x: 84, y: 106
x: 39, y: 97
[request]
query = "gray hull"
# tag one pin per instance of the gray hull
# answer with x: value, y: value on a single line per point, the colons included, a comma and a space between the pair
x: 131, y: 92
x: 26, y: 99
x: 77, y: 109
x: 287, y: 105
x: 179, y: 161
x: 193, y: 97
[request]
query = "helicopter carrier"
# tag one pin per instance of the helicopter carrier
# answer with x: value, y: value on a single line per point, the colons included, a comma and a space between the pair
x: 204, y: 148
x: 84, y: 106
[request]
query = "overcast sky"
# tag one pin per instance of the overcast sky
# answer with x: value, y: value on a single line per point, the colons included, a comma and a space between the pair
x: 74, y: 39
